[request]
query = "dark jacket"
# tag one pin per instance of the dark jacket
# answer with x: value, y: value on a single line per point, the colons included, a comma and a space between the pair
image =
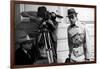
x: 22, y: 58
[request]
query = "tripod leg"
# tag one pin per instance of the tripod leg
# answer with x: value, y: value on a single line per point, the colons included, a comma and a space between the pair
x: 39, y: 37
x: 51, y: 49
x: 48, y: 54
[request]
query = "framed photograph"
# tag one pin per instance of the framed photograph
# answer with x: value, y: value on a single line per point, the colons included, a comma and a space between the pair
x: 52, y: 34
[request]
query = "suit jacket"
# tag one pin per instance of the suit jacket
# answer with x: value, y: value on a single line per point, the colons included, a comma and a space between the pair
x: 78, y: 48
x: 22, y: 58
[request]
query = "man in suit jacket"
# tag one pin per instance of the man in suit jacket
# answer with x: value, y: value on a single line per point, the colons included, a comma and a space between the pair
x: 77, y: 39
x: 23, y: 56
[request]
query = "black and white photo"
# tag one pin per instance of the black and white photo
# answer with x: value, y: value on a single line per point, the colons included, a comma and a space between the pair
x: 52, y: 34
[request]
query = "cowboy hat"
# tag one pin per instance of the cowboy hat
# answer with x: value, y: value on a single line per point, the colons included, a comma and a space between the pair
x: 21, y: 37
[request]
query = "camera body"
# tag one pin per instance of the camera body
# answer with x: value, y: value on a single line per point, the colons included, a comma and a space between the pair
x: 49, y: 20
x: 49, y: 15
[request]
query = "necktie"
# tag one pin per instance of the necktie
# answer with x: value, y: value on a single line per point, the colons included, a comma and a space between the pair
x: 29, y: 55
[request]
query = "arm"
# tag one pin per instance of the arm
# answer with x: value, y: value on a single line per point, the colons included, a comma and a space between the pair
x: 51, y: 25
x: 26, y: 14
x: 86, y: 47
x: 69, y: 44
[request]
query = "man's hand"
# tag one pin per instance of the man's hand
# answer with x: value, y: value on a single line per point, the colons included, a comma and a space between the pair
x: 87, y: 60
x: 50, y: 21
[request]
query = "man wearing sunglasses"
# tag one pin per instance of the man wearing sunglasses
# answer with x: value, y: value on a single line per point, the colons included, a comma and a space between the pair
x: 77, y: 39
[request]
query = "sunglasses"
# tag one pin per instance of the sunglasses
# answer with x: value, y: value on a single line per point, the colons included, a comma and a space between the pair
x: 72, y: 16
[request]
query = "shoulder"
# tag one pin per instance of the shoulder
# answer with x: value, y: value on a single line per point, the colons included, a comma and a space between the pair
x: 81, y: 25
x: 19, y: 51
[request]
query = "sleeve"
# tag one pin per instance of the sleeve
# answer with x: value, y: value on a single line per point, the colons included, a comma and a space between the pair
x: 31, y: 15
x: 69, y: 43
x: 51, y: 25
x: 86, y: 44
x: 18, y: 59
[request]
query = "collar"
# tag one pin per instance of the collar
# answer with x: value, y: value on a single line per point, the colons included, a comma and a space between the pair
x: 77, y: 24
x: 24, y: 50
x: 72, y: 25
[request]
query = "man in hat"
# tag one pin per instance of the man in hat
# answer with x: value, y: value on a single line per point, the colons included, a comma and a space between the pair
x: 23, y: 54
x: 77, y: 39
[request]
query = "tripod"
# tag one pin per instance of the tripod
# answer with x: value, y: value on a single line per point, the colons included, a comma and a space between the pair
x: 45, y: 33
